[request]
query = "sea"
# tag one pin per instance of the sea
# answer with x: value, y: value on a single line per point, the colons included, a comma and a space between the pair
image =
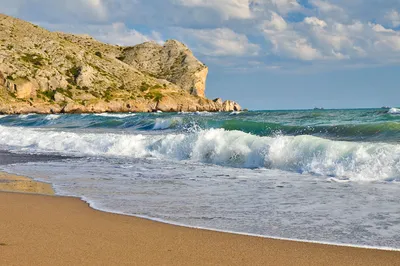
x: 327, y: 176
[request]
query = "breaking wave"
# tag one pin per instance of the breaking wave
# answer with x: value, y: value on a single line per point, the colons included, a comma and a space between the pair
x: 384, y: 129
x: 394, y: 111
x: 52, y: 117
x: 115, y: 115
x: 167, y: 123
x: 354, y: 161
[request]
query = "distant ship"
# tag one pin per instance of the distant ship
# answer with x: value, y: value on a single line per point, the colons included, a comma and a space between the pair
x: 319, y: 108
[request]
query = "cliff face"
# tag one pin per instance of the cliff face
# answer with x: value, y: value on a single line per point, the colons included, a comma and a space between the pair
x: 173, y: 62
x: 44, y: 72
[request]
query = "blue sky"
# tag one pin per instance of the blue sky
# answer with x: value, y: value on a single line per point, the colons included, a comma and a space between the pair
x: 265, y: 54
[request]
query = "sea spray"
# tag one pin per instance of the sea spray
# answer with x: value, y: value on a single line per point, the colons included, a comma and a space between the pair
x: 300, y: 154
x: 115, y: 115
x: 167, y: 123
x: 394, y: 111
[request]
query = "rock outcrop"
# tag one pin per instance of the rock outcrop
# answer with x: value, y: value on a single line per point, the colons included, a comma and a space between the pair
x: 2, y: 79
x: 173, y: 62
x: 51, y: 72
x: 230, y: 106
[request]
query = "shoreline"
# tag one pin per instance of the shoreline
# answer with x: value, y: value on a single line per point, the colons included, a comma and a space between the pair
x: 121, y: 112
x: 91, y: 205
x: 56, y: 216
x: 51, y: 192
x: 21, y: 184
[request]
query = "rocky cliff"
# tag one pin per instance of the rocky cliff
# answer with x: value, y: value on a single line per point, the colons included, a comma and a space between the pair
x: 52, y: 72
x: 173, y: 62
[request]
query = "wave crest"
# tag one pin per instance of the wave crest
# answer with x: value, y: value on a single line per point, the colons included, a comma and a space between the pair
x: 394, y: 111
x: 300, y: 154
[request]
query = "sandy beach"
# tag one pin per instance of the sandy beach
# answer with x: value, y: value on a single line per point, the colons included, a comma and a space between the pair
x: 49, y: 230
x: 14, y: 183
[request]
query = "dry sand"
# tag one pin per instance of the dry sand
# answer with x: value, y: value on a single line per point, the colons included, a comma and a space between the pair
x: 49, y: 230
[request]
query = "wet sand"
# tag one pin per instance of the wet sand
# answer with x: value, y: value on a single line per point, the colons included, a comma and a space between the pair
x: 22, y: 184
x: 51, y: 230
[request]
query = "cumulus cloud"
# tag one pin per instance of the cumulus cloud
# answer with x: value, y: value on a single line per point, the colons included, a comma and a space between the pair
x: 316, y: 39
x: 325, y: 6
x: 315, y: 22
x: 118, y: 33
x: 218, y: 42
x: 97, y: 7
x: 380, y: 28
x: 227, y: 8
x: 393, y: 17
x: 115, y: 33
x: 286, y: 41
x: 278, y: 6
x: 276, y: 32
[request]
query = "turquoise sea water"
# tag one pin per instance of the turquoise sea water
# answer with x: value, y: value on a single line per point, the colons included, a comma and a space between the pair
x: 319, y: 175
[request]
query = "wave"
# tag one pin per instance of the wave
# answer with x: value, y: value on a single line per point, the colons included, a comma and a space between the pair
x: 301, y: 154
x: 26, y: 115
x: 385, y: 129
x: 355, y: 132
x: 167, y: 123
x: 394, y: 111
x: 52, y: 117
x: 115, y: 115
x: 235, y: 113
x: 203, y: 113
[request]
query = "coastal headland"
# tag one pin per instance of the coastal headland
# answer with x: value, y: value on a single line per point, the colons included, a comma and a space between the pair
x: 51, y: 230
x: 54, y: 72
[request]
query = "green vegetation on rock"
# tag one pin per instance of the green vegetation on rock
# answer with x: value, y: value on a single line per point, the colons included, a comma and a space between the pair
x: 35, y: 59
x: 50, y: 72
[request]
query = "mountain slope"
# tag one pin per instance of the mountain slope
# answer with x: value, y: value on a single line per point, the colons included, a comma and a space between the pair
x: 52, y: 72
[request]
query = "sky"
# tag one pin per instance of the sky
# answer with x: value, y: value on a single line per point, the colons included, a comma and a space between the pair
x: 265, y: 54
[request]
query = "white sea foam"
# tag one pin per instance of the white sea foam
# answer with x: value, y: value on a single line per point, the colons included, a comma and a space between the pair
x: 301, y: 154
x: 166, y: 123
x: 255, y: 201
x: 25, y: 115
x: 235, y: 113
x: 394, y: 111
x: 115, y: 115
x: 52, y: 117
x: 204, y: 113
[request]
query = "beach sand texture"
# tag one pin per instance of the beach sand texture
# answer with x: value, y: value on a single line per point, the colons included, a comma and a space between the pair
x: 22, y: 184
x: 49, y: 230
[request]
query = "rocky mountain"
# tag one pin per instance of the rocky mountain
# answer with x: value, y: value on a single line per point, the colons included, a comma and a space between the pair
x: 53, y: 72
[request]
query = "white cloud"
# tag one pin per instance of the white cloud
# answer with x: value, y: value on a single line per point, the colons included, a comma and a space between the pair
x: 315, y: 22
x: 316, y: 39
x: 336, y: 32
x: 325, y: 6
x: 278, y: 6
x: 118, y: 33
x: 97, y: 7
x: 275, y: 23
x: 218, y: 42
x: 115, y: 33
x: 286, y: 41
x: 380, y: 28
x: 393, y: 17
x: 228, y: 8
